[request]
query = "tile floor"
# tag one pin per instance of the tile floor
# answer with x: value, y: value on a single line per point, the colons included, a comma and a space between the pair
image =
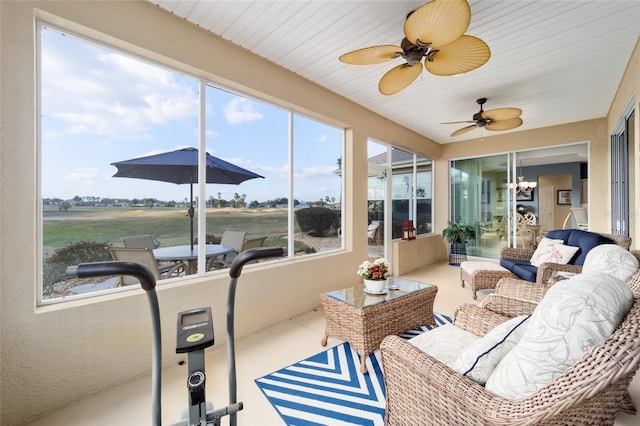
x: 258, y: 354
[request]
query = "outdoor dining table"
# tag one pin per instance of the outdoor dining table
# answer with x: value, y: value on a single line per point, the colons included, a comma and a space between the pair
x: 190, y: 256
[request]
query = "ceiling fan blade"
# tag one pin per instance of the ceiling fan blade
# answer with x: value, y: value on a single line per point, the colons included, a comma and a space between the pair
x: 371, y: 55
x: 438, y: 22
x: 463, y: 55
x: 398, y: 78
x: 504, y: 124
x: 458, y: 122
x: 463, y: 130
x: 499, y: 114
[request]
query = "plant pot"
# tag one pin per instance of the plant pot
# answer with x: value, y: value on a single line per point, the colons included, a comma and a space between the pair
x: 458, y: 253
x: 375, y: 286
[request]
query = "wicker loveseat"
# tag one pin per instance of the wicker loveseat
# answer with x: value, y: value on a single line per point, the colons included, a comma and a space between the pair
x: 518, y: 260
x: 422, y: 390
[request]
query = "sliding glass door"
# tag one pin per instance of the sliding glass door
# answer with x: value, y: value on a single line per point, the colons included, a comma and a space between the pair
x: 480, y: 198
x: 512, y: 199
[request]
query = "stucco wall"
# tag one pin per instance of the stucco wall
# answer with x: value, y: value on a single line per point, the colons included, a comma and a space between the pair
x: 411, y: 255
x: 54, y: 355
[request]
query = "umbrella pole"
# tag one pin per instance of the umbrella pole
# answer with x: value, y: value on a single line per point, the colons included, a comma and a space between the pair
x: 190, y: 213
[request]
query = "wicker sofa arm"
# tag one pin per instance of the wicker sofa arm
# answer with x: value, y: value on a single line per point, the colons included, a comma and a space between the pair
x: 520, y: 289
x: 547, y: 269
x: 507, y: 306
x: 476, y: 320
x: 516, y: 253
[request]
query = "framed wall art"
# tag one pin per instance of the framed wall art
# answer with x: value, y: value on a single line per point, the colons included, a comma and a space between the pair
x: 564, y: 197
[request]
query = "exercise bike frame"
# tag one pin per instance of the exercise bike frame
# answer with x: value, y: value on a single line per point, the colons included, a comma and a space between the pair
x: 148, y: 284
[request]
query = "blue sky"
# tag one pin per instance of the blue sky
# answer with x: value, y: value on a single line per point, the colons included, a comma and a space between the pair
x: 100, y: 106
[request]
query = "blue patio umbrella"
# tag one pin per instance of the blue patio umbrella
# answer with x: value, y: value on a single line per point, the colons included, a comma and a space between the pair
x: 180, y: 167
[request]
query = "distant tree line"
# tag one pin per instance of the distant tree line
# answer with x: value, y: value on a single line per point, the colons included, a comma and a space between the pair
x: 237, y: 201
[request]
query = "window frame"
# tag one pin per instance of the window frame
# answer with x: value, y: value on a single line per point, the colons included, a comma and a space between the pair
x: 203, y: 84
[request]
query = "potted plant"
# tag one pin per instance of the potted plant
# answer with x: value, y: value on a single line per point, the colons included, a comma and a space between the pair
x: 457, y: 234
x: 374, y: 275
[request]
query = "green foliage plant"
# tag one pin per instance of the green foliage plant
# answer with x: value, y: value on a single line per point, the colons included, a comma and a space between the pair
x: 73, y: 254
x: 317, y: 221
x: 458, y: 232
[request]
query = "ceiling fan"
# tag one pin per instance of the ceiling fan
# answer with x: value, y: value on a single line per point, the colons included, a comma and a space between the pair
x: 493, y: 119
x: 434, y: 31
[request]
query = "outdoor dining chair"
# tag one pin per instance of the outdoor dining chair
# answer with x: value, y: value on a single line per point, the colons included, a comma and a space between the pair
x: 216, y: 263
x: 145, y: 257
x: 141, y: 241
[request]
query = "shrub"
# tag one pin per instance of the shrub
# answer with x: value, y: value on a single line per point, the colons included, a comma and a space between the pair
x: 73, y: 254
x: 317, y: 221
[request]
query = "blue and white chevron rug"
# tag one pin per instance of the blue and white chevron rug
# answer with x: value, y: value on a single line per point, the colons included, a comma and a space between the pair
x: 328, y: 388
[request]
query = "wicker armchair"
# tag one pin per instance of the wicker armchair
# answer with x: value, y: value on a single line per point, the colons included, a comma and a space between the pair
x: 422, y: 390
x: 515, y: 297
x: 547, y: 269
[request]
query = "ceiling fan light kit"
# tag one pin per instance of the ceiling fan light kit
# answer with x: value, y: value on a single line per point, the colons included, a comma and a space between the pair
x: 435, y: 32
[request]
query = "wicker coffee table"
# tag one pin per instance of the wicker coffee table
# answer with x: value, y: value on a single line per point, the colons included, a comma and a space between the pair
x: 364, y: 320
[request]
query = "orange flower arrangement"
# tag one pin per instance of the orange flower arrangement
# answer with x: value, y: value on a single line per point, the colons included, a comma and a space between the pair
x: 376, y: 270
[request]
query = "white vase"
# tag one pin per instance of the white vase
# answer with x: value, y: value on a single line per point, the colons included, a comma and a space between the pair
x: 375, y: 286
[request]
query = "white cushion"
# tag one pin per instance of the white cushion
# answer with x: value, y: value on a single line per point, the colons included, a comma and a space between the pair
x: 553, y: 251
x: 444, y: 343
x: 574, y: 316
x: 611, y: 259
x: 479, y: 359
x: 371, y: 230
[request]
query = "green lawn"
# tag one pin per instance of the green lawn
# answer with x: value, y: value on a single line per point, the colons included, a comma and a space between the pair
x: 108, y: 225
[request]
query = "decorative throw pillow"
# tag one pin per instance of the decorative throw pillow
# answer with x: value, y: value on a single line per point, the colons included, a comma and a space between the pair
x: 549, y: 250
x: 574, y: 316
x: 558, y: 276
x: 479, y: 359
x: 611, y: 259
x: 444, y: 343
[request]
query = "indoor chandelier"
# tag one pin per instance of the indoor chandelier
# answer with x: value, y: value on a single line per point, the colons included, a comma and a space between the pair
x: 523, y: 185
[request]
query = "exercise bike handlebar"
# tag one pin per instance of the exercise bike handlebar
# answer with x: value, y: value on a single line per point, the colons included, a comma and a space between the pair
x: 148, y: 283
x: 252, y: 254
x: 101, y: 269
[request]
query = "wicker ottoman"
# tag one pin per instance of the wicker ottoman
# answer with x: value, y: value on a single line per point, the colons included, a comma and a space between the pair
x: 482, y: 275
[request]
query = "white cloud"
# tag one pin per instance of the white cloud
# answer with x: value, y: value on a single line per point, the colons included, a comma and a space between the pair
x: 241, y: 110
x: 95, y: 91
x: 314, y: 172
x: 83, y: 176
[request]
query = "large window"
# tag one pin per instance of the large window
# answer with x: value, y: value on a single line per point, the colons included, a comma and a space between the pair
x: 409, y: 192
x: 99, y: 106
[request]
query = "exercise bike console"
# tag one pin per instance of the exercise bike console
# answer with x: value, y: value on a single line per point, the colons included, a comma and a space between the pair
x: 195, y: 330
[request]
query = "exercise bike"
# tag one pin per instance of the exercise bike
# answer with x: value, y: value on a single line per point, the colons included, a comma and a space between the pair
x: 195, y: 333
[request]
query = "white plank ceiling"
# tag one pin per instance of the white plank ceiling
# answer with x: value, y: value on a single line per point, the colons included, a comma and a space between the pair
x: 559, y: 61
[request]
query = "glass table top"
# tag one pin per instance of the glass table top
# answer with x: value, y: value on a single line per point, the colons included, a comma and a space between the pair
x: 356, y: 295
